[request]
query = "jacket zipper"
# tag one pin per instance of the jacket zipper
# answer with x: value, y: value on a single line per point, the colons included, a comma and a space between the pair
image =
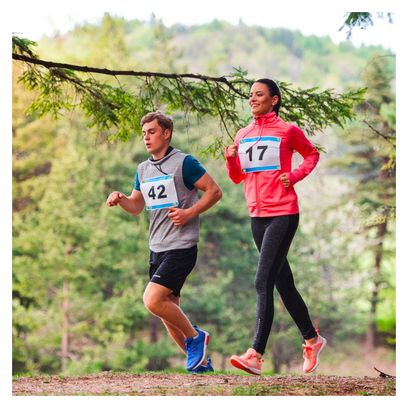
x: 258, y: 207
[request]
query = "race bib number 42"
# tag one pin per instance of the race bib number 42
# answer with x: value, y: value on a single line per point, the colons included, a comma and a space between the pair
x: 159, y: 192
x: 259, y: 153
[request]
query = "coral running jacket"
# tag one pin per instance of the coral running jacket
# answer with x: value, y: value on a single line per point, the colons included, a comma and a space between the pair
x: 265, y: 152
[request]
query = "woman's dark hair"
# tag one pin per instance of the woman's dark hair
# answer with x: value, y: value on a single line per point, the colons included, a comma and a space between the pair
x: 273, y: 90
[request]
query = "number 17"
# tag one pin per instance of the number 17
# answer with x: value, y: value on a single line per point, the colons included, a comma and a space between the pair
x: 263, y: 148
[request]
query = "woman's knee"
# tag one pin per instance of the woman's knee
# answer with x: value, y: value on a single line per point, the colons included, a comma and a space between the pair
x: 260, y: 285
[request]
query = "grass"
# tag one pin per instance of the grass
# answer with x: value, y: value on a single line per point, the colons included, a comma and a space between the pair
x: 21, y: 375
x: 256, y: 390
x: 180, y: 370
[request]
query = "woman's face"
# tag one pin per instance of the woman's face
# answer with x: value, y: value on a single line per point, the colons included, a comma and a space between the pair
x: 260, y: 101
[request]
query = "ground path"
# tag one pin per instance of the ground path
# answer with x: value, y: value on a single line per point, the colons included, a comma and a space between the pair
x: 109, y: 383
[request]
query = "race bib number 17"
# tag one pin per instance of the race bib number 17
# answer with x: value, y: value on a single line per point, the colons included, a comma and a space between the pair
x: 159, y: 192
x: 259, y: 153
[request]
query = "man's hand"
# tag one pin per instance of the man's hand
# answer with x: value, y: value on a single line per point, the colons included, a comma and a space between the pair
x: 114, y: 198
x: 232, y: 151
x: 180, y: 216
x: 284, y: 178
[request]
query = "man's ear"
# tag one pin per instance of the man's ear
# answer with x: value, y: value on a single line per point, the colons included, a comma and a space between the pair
x: 167, y: 134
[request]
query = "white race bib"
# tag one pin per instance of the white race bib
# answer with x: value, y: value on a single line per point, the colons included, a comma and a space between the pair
x: 159, y: 192
x: 259, y: 153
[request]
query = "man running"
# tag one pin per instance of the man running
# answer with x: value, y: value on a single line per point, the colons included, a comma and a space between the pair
x: 167, y: 185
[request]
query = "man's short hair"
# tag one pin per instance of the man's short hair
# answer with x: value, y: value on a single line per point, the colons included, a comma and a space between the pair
x: 165, y: 121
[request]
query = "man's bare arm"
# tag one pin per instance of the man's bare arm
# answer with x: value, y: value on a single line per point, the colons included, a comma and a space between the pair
x: 212, y: 194
x: 132, y: 204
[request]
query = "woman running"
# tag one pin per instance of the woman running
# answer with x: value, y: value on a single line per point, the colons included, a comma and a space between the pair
x: 261, y: 157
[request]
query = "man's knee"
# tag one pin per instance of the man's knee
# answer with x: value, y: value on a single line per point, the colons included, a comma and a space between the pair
x: 152, y: 302
x: 154, y: 299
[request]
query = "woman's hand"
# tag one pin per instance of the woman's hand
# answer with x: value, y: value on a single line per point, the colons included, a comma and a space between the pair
x: 284, y: 178
x: 231, y: 151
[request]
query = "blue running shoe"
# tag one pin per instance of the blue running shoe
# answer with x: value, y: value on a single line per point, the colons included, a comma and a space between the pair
x: 195, y: 348
x: 203, y: 369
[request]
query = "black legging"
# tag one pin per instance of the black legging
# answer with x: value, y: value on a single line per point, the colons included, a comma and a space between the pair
x: 273, y: 236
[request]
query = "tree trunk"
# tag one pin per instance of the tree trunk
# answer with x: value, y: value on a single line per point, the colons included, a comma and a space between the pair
x: 65, y: 324
x: 223, y: 362
x: 154, y: 329
x: 377, y: 280
x: 155, y: 362
x: 277, y: 363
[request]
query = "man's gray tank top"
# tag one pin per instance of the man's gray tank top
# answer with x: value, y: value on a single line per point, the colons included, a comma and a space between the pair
x: 164, y: 235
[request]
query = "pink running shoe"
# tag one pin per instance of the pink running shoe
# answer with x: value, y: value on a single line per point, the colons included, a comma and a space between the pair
x: 248, y: 362
x: 311, y: 354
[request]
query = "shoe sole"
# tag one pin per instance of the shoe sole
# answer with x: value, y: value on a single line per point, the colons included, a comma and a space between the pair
x: 317, y: 357
x: 239, y: 364
x: 206, y: 341
x: 200, y: 372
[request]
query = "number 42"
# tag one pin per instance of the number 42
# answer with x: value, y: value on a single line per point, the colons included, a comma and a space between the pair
x: 161, y: 194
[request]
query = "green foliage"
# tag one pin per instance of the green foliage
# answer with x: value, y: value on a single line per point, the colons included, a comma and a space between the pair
x: 328, y: 108
x: 70, y: 236
x: 370, y: 157
x: 112, y: 107
x: 23, y: 46
x: 361, y: 20
x: 372, y: 149
x: 63, y: 172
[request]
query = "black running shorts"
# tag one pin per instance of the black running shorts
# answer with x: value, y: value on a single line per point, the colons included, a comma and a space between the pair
x: 171, y: 268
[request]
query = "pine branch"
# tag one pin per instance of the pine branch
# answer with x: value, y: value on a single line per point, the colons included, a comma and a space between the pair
x: 116, y: 111
x: 145, y: 74
x: 389, y: 138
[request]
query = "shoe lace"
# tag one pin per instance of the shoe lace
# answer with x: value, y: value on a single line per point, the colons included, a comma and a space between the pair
x: 191, y: 345
x: 307, y: 352
x: 252, y: 354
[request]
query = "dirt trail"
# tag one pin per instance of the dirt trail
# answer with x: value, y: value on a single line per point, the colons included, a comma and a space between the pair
x: 109, y: 383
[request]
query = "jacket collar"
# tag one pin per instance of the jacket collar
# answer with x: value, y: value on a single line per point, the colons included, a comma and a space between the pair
x: 265, y: 119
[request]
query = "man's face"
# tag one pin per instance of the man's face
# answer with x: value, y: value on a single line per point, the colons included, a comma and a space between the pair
x: 155, y: 138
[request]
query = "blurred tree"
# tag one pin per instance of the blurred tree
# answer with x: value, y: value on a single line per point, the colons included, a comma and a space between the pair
x: 63, y: 207
x: 371, y: 159
x: 35, y: 145
x: 71, y: 257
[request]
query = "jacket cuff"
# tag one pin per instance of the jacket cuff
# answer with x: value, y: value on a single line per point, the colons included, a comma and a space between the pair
x: 292, y: 179
x: 232, y: 161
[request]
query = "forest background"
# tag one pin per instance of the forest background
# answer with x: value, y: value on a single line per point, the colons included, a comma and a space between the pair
x: 79, y: 268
